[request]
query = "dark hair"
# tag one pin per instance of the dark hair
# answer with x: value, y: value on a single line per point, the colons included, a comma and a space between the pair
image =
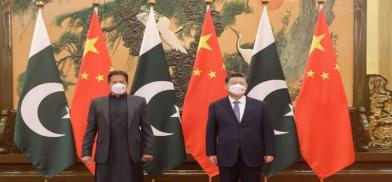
x: 118, y: 72
x: 234, y: 74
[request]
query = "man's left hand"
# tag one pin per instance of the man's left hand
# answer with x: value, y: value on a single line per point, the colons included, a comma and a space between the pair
x: 268, y: 158
x: 146, y: 158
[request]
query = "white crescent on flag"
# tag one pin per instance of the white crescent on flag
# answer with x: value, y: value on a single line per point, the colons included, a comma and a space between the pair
x: 263, y: 89
x: 30, y: 104
x: 148, y: 91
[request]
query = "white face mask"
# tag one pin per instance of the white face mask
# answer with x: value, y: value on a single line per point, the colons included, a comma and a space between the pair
x: 118, y: 88
x: 237, y: 89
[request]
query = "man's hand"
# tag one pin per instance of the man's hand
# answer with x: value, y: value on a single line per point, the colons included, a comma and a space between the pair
x: 268, y: 158
x: 213, y: 159
x: 146, y: 158
x: 86, y: 160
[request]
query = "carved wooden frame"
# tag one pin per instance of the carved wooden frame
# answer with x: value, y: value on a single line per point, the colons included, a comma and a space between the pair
x: 361, y: 98
x: 360, y: 84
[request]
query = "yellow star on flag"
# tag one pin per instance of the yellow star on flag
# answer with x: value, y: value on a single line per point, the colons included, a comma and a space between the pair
x: 310, y: 73
x: 99, y: 78
x: 196, y: 72
x: 203, y: 43
x: 324, y: 75
x: 84, y: 76
x: 337, y: 67
x: 212, y: 74
x: 316, y: 43
x: 89, y: 47
x: 223, y: 66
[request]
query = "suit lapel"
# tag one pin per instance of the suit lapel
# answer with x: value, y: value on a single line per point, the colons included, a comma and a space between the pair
x: 130, y: 109
x: 105, y: 106
x: 246, y: 111
x: 229, y: 109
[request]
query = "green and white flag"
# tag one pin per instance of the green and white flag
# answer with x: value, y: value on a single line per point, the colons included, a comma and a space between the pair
x: 153, y: 82
x: 43, y: 130
x: 267, y: 83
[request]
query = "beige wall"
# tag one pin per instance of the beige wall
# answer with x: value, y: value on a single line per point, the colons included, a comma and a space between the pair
x: 379, y: 38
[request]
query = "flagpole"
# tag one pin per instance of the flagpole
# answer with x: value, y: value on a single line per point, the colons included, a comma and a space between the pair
x: 208, y: 8
x: 152, y: 3
x: 265, y: 4
x: 40, y: 6
x: 321, y: 4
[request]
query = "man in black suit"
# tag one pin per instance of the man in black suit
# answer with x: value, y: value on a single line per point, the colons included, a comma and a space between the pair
x: 124, y: 138
x: 239, y: 134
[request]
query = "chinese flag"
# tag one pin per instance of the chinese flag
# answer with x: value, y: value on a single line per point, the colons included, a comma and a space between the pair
x: 206, y: 85
x: 321, y: 116
x: 92, y: 82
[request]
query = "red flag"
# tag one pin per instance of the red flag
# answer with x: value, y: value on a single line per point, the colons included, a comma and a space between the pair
x: 92, y: 82
x: 206, y: 85
x: 321, y: 116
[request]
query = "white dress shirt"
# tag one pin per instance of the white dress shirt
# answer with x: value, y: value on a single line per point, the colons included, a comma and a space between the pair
x: 241, y: 105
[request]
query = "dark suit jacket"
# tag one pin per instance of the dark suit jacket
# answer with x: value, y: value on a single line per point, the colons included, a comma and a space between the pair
x: 139, y: 129
x: 253, y: 136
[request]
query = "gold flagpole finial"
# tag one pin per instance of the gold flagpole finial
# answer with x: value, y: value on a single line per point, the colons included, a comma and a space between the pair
x: 152, y: 2
x: 39, y: 4
x: 321, y: 1
x: 95, y: 3
x: 208, y: 3
x: 265, y: 2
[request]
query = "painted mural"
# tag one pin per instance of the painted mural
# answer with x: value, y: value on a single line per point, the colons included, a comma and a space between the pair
x: 179, y: 23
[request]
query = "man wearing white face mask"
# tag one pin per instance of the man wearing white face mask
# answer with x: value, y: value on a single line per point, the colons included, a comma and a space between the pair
x: 239, y: 135
x: 124, y: 138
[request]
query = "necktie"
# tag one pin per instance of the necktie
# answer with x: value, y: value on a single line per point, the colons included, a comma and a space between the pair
x: 237, y: 111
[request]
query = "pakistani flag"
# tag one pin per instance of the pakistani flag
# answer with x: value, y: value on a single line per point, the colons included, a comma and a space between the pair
x: 267, y: 83
x: 152, y: 81
x: 43, y: 131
